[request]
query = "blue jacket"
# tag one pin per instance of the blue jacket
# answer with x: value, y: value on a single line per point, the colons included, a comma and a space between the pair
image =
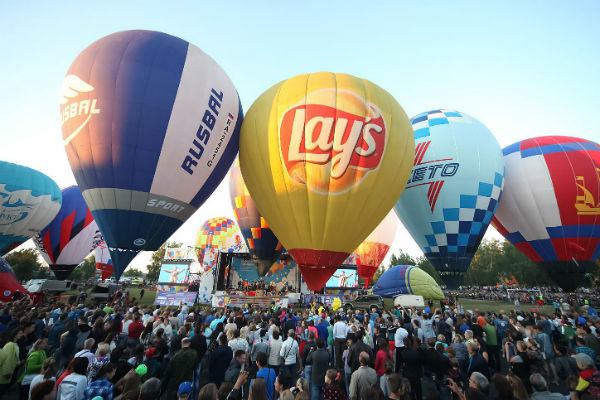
x: 54, y: 335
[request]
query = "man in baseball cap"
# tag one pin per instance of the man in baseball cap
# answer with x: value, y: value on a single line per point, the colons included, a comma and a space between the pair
x: 184, y: 391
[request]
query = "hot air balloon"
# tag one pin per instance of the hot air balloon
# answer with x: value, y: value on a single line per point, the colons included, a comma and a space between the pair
x: 325, y: 156
x: 550, y: 208
x: 150, y: 125
x: 103, y: 260
x: 260, y: 239
x: 453, y: 191
x: 218, y: 234
x: 70, y: 237
x: 8, y: 282
x: 371, y: 252
x: 29, y: 200
x: 406, y: 279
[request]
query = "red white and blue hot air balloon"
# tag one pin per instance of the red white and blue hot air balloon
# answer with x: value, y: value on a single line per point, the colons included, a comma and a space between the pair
x: 150, y: 125
x: 8, y: 282
x: 550, y: 208
x: 71, y: 236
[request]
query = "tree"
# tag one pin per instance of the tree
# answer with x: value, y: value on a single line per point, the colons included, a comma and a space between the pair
x: 85, y: 270
x: 25, y: 263
x: 401, y: 258
x: 425, y: 265
x: 133, y: 273
x: 156, y: 261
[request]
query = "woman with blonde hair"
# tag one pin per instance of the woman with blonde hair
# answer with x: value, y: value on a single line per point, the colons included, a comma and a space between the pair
x: 48, y: 372
x: 518, y: 387
x: 33, y: 365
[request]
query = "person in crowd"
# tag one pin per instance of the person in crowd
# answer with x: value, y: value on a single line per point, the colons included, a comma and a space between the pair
x: 540, y: 389
x: 290, y: 353
x: 219, y: 360
x: 266, y: 373
x: 9, y: 359
x: 477, y: 362
x: 478, y: 387
x: 47, y: 372
x: 258, y: 390
x: 97, y: 362
x: 102, y: 385
x: 86, y: 352
x: 181, y: 368
x: 388, y: 367
x: 73, y: 385
x: 275, y: 345
x: 334, y: 388
x: 363, y: 377
x: 399, y: 388
x: 358, y: 347
x: 412, y: 364
x: 235, y: 367
x: 44, y: 390
x: 33, y: 365
x: 150, y: 389
x: 383, y: 353
x: 319, y: 360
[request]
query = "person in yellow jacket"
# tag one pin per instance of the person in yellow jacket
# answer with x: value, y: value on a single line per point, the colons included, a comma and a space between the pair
x: 9, y: 359
x: 33, y: 366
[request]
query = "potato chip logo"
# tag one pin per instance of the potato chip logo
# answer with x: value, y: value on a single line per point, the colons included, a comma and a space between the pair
x: 331, y: 149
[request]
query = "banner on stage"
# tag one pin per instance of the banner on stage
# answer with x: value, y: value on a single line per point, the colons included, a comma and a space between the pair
x: 168, y: 298
x: 180, y: 254
x: 233, y: 300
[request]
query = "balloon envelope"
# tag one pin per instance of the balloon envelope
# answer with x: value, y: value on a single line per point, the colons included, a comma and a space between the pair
x: 150, y: 125
x: 8, y: 283
x: 260, y: 239
x: 29, y: 200
x: 371, y: 252
x: 406, y: 279
x: 70, y: 237
x: 550, y: 208
x: 220, y: 234
x: 453, y: 191
x: 325, y: 156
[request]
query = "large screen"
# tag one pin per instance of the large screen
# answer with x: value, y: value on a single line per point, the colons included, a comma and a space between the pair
x: 173, y: 273
x: 343, y: 278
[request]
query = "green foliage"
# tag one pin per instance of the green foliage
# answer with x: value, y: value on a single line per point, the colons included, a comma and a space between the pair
x: 401, y: 258
x: 156, y: 261
x: 25, y: 263
x: 133, y: 273
x: 85, y: 270
x: 495, y: 258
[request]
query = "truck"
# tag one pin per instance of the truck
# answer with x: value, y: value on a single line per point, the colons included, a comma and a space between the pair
x: 102, y: 292
x: 49, y: 285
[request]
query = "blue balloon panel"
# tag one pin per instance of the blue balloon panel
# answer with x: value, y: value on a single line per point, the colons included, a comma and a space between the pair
x: 454, y: 189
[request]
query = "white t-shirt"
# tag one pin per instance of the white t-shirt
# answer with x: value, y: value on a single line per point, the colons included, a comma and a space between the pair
x: 288, y: 351
x: 72, y: 387
x: 401, y: 333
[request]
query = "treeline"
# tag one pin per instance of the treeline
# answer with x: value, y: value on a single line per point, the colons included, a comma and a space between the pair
x: 493, y: 259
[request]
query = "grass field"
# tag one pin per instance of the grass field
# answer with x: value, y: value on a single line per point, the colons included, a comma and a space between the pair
x: 468, y: 304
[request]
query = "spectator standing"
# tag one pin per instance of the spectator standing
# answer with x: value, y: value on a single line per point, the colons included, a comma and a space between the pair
x: 363, y: 377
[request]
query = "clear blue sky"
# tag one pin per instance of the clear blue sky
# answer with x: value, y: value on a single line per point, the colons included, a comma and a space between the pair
x: 523, y: 68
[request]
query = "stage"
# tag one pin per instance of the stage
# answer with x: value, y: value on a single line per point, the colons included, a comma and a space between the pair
x: 235, y: 298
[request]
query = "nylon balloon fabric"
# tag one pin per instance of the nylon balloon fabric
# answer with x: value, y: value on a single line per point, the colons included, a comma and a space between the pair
x: 406, y: 279
x: 70, y: 237
x: 8, y: 282
x: 325, y: 156
x: 453, y: 190
x: 29, y: 200
x: 150, y: 124
x: 219, y: 234
x: 550, y: 209
x: 260, y: 239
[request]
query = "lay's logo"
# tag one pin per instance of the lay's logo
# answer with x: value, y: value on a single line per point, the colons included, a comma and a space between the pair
x: 332, y: 149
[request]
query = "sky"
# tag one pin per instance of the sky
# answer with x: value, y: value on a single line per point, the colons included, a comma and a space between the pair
x: 524, y: 69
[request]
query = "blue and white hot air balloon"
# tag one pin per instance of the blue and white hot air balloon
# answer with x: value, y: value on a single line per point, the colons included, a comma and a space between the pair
x: 453, y: 191
x: 29, y: 200
x: 150, y: 125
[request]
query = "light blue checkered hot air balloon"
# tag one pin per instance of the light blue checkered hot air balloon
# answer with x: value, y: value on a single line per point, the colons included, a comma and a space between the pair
x: 453, y: 191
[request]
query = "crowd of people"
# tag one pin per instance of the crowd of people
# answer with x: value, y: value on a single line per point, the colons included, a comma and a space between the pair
x: 57, y: 351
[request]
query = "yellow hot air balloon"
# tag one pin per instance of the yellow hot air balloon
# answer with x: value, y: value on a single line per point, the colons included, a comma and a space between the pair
x: 325, y: 156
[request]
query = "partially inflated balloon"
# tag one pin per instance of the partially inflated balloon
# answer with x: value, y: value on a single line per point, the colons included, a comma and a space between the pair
x: 150, y: 124
x: 29, y: 200
x: 260, y: 239
x: 8, y: 282
x: 103, y: 260
x: 550, y: 208
x: 325, y: 156
x: 218, y: 234
x: 371, y: 252
x: 406, y: 279
x: 70, y: 237
x: 453, y: 191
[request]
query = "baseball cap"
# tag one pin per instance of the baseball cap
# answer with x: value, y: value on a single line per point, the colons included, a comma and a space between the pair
x: 150, y: 352
x: 185, y: 389
x: 141, y: 370
x: 427, y: 310
x: 520, y: 318
x: 581, y: 321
